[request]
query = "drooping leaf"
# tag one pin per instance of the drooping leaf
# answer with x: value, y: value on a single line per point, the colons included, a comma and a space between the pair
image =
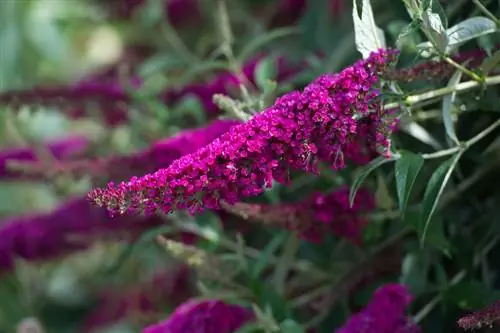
x: 368, y: 36
x: 367, y: 169
x: 447, y: 104
x: 407, y: 167
x: 433, y: 192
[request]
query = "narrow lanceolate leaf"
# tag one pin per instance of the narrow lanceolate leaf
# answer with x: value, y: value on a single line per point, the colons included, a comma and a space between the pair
x: 464, y: 31
x: 406, y: 170
x: 435, y: 30
x: 434, y: 190
x: 367, y: 35
x: 367, y: 169
x: 469, y: 29
x: 447, y: 105
x: 490, y: 63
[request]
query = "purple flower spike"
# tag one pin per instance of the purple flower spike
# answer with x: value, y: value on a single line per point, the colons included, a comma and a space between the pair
x: 293, y: 134
x: 203, y: 316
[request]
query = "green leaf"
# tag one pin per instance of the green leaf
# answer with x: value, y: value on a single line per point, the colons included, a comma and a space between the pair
x: 447, y: 104
x: 291, y: 326
x: 433, y: 192
x: 268, y: 251
x: 406, y: 171
x: 367, y: 169
x: 464, y: 31
x: 469, y: 29
x: 414, y: 271
x: 471, y: 294
x: 435, y: 30
x: 250, y: 328
x: 490, y: 63
x: 368, y: 36
x: 145, y: 238
x: 265, y: 72
x: 191, y: 105
x: 255, y: 44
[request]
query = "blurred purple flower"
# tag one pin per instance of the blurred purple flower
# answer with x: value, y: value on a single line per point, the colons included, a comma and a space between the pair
x: 385, y: 313
x: 60, y: 150
x: 71, y: 227
x: 203, y: 316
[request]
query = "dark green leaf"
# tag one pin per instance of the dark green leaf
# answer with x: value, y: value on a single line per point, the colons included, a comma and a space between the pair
x: 471, y: 294
x: 414, y: 271
x: 447, y: 105
x: 145, y: 238
x: 406, y: 171
x: 367, y: 169
x: 433, y: 192
x: 268, y: 251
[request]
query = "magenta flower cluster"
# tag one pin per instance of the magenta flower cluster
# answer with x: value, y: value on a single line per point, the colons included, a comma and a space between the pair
x: 203, y: 316
x: 316, y: 217
x: 293, y: 134
x: 385, y: 313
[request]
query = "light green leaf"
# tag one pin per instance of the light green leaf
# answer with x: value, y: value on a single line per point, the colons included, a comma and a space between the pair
x: 447, y: 104
x: 464, y: 31
x: 406, y: 170
x: 367, y: 35
x: 291, y: 326
x: 469, y: 29
x: 490, y: 63
x: 435, y: 30
x: 265, y: 72
x: 367, y: 169
x: 433, y: 192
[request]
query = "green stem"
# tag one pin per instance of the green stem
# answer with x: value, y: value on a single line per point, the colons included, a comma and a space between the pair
x: 486, y: 12
x: 298, y: 265
x: 462, y: 68
x: 415, y: 100
x: 287, y: 258
x: 466, y: 144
